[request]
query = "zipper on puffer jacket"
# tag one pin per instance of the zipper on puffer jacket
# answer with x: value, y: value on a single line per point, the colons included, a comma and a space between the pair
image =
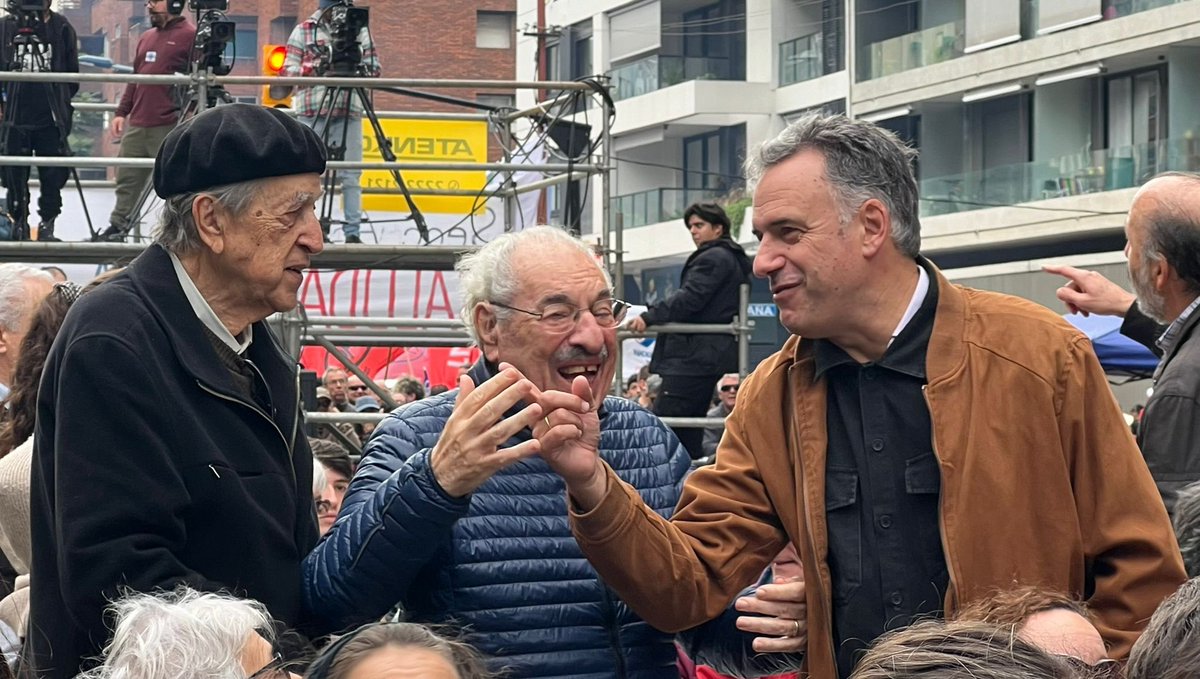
x: 613, y: 626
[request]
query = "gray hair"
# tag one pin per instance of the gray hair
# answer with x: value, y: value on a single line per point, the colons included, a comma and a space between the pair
x: 1170, y: 646
x: 319, y: 480
x: 862, y: 161
x: 1186, y: 519
x: 465, y: 660
x: 15, y: 304
x: 488, y: 274
x: 1173, y: 234
x: 177, y: 230
x: 958, y: 650
x: 182, y: 634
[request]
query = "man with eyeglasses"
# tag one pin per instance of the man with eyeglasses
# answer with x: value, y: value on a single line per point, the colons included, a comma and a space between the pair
x: 454, y: 512
x: 727, y: 389
x: 146, y: 113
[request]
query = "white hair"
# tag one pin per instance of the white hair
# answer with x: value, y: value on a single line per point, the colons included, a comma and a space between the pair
x: 319, y: 480
x: 15, y: 304
x: 177, y: 229
x: 488, y: 274
x: 182, y: 634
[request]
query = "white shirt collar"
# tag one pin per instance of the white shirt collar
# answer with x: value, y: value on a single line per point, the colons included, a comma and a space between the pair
x: 205, y: 313
x: 914, y: 304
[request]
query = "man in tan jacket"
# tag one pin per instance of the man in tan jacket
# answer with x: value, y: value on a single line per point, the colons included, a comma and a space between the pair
x: 922, y: 444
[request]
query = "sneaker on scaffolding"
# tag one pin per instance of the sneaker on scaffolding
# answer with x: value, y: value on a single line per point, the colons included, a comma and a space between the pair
x: 353, y: 240
x: 113, y: 234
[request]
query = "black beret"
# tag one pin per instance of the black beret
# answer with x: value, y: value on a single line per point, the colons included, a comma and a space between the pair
x: 234, y: 143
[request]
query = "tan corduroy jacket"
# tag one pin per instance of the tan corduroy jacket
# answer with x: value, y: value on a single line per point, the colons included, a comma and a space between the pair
x: 1042, y: 483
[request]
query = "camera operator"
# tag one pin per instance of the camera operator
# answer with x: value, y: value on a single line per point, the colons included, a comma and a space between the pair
x: 148, y: 112
x: 37, y: 116
x: 308, y: 54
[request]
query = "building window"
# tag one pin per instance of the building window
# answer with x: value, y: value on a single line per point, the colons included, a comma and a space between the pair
x: 245, y: 45
x: 496, y: 100
x: 494, y: 30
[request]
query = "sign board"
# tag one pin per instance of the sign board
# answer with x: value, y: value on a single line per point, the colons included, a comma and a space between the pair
x: 424, y: 141
x: 762, y: 310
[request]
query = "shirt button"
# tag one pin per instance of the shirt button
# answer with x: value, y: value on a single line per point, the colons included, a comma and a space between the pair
x: 885, y: 521
x: 896, y: 598
x: 877, y: 445
x: 869, y: 373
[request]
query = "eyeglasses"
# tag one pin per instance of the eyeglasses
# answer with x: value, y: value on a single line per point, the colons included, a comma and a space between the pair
x: 357, y: 387
x: 1105, y: 669
x: 276, y: 669
x: 729, y: 388
x: 563, y: 317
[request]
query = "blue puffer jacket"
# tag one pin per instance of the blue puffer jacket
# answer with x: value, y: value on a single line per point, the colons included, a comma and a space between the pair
x: 502, y: 562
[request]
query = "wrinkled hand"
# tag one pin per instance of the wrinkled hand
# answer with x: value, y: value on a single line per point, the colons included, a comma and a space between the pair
x: 570, y: 436
x: 118, y: 127
x: 782, y: 614
x: 636, y: 324
x: 468, y: 452
x: 1087, y: 292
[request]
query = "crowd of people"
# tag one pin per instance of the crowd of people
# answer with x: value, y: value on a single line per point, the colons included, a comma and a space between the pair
x: 869, y: 509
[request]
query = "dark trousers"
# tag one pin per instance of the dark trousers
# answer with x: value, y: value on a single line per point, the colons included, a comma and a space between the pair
x: 687, y: 396
x: 40, y: 141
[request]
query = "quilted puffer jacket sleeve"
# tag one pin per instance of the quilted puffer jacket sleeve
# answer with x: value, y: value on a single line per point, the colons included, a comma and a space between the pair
x: 392, y: 520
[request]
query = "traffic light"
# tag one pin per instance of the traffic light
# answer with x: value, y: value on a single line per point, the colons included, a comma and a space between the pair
x: 275, y: 96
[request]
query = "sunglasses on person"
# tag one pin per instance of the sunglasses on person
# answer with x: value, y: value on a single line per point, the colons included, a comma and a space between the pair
x: 357, y: 387
x: 728, y: 388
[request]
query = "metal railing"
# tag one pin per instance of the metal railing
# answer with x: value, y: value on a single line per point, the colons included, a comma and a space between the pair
x: 801, y: 59
x: 657, y: 71
x: 653, y: 206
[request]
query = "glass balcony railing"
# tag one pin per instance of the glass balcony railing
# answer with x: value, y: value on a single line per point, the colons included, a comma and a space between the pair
x: 1105, y: 170
x: 801, y: 59
x: 660, y: 70
x: 914, y: 50
x: 657, y: 205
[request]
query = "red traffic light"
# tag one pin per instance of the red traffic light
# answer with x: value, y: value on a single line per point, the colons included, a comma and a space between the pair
x: 275, y: 58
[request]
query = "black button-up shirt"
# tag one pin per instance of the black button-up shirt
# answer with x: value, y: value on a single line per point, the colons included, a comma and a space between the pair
x: 882, y: 485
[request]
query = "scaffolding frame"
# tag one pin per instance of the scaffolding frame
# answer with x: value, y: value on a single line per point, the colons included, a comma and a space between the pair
x: 295, y: 328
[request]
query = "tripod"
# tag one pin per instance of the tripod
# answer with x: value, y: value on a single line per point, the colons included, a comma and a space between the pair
x: 31, y: 54
x: 329, y: 104
x: 200, y: 96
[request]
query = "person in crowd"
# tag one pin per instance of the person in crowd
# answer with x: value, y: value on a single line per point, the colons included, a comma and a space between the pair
x: 963, y: 650
x: 1170, y: 646
x: 453, y: 513
x: 879, y: 439
x: 355, y: 388
x: 438, y: 389
x: 1053, y: 622
x: 366, y: 404
x: 16, y: 453
x: 169, y: 445
x: 634, y: 388
x: 653, y: 389
x: 56, y: 273
x: 727, y: 389
x: 708, y: 293
x: 407, y: 390
x: 336, y: 114
x: 147, y: 113
x: 189, y: 634
x: 348, y: 438
x: 22, y: 288
x: 324, y: 402
x: 337, y: 383
x: 1187, y: 527
x: 37, y: 116
x: 337, y: 468
x: 1163, y: 248
x: 398, y: 649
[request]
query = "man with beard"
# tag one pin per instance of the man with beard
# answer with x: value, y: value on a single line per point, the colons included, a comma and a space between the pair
x: 1163, y: 248
x: 147, y: 113
x: 454, y: 512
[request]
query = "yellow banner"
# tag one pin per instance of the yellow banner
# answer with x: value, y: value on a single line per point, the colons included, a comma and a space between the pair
x: 458, y: 141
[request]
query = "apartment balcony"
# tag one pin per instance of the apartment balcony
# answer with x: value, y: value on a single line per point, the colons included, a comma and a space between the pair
x: 933, y: 45
x: 801, y: 59
x: 657, y: 71
x: 1076, y: 175
x: 655, y: 206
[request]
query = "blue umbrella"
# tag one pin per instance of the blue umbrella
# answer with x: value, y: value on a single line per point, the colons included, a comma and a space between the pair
x: 1118, y: 354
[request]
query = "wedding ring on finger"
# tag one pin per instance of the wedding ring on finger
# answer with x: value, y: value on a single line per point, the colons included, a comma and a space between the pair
x: 796, y: 628
x: 547, y: 421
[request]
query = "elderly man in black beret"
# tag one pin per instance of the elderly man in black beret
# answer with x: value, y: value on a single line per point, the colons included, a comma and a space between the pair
x: 169, y: 446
